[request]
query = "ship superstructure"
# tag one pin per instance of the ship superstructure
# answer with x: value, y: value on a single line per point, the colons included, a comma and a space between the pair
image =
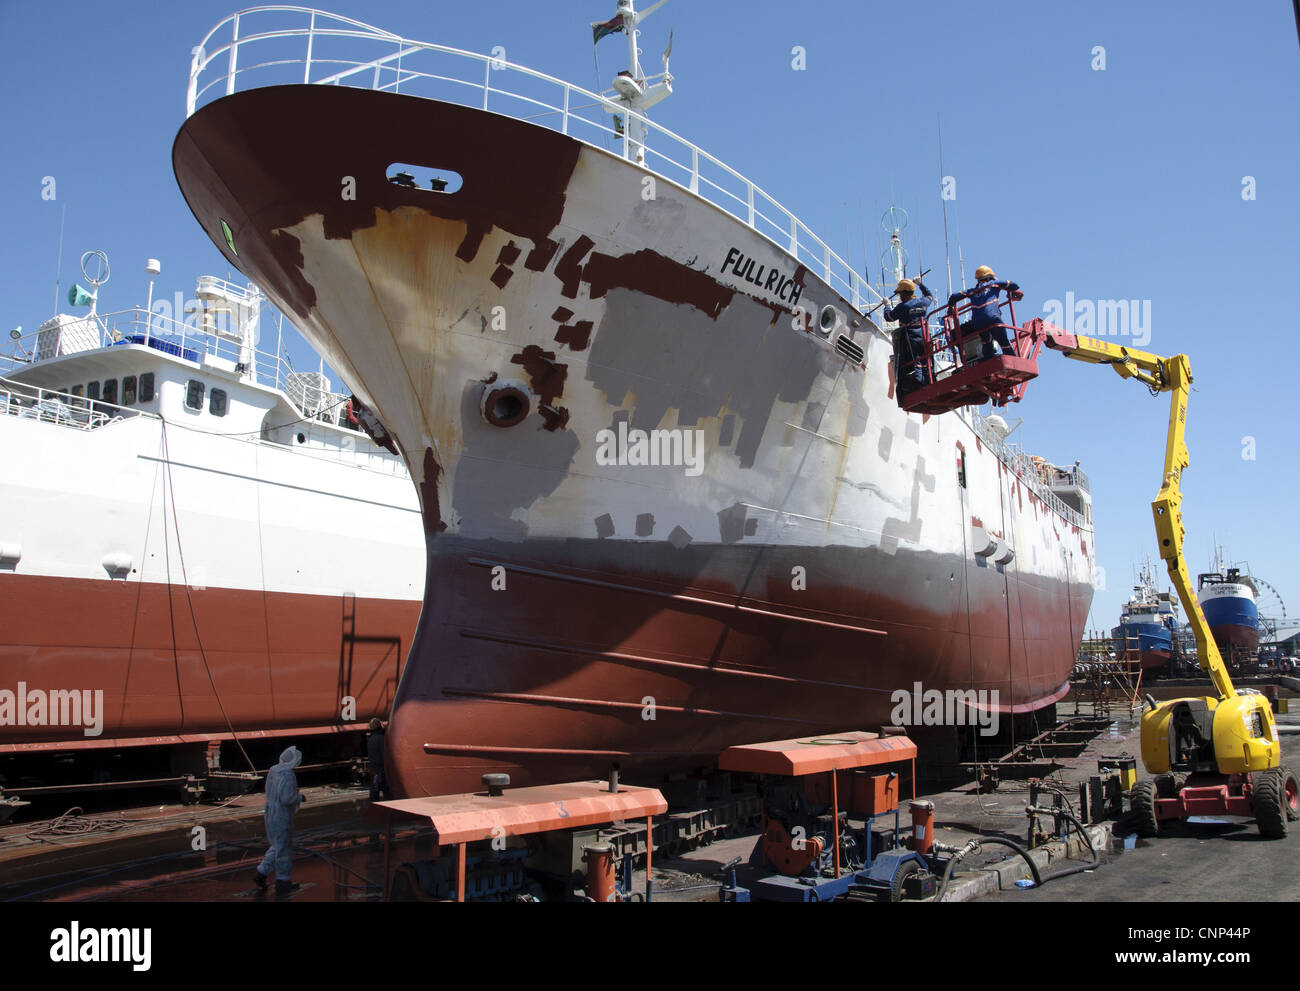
x: 670, y: 501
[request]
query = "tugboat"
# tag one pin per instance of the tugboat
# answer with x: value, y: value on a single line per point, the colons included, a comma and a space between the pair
x: 1148, y: 623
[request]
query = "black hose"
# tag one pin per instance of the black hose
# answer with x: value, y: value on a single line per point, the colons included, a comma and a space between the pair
x: 974, y: 845
x: 1076, y: 868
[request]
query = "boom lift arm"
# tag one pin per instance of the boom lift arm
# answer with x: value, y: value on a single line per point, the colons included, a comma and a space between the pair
x: 1227, y: 745
x: 1235, y: 733
x: 1161, y: 375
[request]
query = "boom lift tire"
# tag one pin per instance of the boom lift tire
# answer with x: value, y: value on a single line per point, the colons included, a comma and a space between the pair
x: 1143, y: 802
x: 1270, y: 801
x: 1290, y: 793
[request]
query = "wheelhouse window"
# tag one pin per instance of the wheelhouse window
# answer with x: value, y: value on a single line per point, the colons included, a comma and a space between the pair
x: 92, y: 390
x: 128, y: 390
x: 217, y: 402
x: 78, y: 391
x: 146, y: 388
x: 194, y: 395
x: 109, y: 395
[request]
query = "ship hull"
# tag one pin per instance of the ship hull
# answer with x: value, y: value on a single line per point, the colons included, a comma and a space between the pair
x: 1154, y: 642
x: 829, y: 551
x: 1233, y: 616
x: 264, y: 664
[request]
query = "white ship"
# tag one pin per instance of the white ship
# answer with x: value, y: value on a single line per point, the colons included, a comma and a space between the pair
x: 195, y: 530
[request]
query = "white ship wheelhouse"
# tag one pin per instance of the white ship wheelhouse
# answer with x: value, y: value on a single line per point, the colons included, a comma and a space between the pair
x: 205, y: 372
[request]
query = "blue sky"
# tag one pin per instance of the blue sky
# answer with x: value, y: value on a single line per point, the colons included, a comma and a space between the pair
x: 1124, y: 183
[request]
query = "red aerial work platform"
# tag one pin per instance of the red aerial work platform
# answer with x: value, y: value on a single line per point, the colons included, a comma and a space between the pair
x: 954, y: 373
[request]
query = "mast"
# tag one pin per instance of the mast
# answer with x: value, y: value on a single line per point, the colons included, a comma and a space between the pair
x: 631, y: 86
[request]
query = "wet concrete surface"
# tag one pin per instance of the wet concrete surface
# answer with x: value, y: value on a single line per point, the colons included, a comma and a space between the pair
x: 194, y: 853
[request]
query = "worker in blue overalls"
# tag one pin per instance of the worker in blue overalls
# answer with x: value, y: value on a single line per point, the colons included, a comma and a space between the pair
x: 983, y: 318
x: 911, y: 363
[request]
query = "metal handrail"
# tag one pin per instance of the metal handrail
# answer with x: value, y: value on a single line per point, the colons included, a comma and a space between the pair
x: 393, y: 70
x: 182, y: 339
x: 1023, y: 467
x: 51, y: 406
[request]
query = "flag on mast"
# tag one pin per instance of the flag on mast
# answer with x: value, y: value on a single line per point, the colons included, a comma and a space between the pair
x: 601, y: 29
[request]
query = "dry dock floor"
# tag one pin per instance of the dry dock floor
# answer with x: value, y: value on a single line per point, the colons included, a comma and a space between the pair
x: 149, y: 853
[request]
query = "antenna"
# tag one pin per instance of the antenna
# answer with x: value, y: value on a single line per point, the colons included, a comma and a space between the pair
x: 961, y: 262
x: 152, y: 268
x: 862, y: 224
x: 894, y: 258
x: 58, y: 262
x: 943, y: 202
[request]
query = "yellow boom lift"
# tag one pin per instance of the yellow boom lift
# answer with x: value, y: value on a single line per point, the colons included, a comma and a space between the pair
x: 1210, y: 756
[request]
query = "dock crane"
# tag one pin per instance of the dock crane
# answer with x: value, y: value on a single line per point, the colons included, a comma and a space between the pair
x: 1217, y: 755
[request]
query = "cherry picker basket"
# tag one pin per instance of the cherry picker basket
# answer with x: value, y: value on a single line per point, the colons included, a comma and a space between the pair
x: 955, y: 373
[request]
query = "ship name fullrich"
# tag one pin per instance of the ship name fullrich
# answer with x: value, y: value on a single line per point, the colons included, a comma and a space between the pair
x: 766, y: 277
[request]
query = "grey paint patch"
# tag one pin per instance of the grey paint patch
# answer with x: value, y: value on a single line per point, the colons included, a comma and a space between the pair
x: 482, y: 499
x: 727, y: 432
x: 886, y: 443
x: 674, y: 356
x: 679, y: 538
x: 855, y: 424
x: 604, y: 526
x: 645, y: 524
x: 913, y: 431
x: 731, y: 523
x: 894, y: 529
x: 812, y: 415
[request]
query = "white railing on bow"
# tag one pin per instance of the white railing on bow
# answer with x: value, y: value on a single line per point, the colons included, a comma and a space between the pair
x: 278, y: 45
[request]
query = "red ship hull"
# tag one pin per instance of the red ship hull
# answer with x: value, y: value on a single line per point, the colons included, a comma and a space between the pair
x: 589, y: 658
x: 280, y: 663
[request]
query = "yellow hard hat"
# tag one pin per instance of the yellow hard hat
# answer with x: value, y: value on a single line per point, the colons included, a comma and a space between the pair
x: 984, y: 272
x: 905, y: 285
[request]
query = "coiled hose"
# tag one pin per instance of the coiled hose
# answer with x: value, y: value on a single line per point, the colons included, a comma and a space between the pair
x: 1039, y: 878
